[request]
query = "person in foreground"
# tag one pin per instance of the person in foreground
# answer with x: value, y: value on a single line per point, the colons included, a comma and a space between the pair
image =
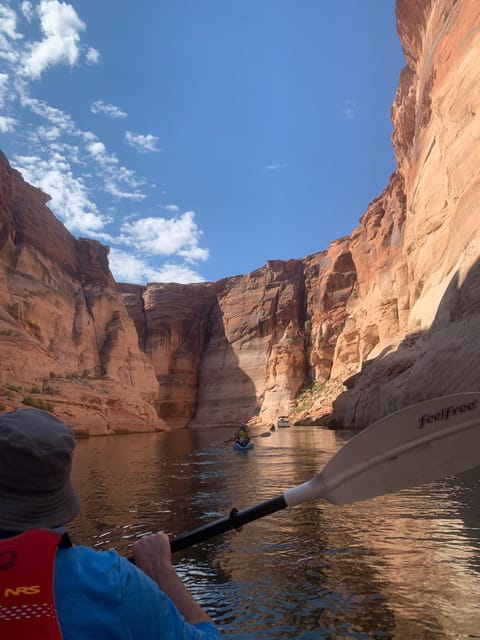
x: 53, y: 590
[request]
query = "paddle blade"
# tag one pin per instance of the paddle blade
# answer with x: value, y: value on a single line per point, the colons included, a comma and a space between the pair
x: 422, y: 443
x: 419, y: 444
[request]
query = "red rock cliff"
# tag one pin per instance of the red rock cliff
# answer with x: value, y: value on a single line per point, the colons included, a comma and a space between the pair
x: 226, y: 351
x: 65, y: 336
x: 418, y: 273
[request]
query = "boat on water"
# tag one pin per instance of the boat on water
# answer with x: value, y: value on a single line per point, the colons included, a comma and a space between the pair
x: 237, y: 446
x: 283, y: 421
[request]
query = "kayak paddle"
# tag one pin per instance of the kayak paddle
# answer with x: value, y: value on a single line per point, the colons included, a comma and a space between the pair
x: 265, y: 434
x: 416, y: 445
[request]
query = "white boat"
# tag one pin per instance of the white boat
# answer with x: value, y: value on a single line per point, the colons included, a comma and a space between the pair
x: 283, y: 421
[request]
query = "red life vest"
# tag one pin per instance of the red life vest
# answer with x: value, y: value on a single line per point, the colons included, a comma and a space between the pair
x: 27, y: 606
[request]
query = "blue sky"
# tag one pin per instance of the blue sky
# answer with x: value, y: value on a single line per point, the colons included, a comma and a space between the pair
x: 201, y: 138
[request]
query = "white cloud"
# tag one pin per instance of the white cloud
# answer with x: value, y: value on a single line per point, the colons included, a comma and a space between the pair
x: 7, y: 53
x: 112, y: 187
x: 141, y: 143
x: 61, y: 27
x: 9, y: 37
x: 27, y: 10
x: 172, y: 207
x: 108, y: 109
x: 92, y: 56
x: 70, y: 201
x: 128, y: 268
x: 113, y: 175
x: 8, y: 22
x: 349, y: 109
x: 7, y: 124
x: 55, y: 116
x: 176, y: 273
x: 97, y: 149
x: 117, y: 176
x: 128, y: 177
x: 194, y: 254
x: 276, y: 166
x: 48, y: 133
x: 3, y: 88
x: 166, y: 236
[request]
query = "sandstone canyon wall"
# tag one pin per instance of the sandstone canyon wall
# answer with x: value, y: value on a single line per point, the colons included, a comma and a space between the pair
x: 65, y: 335
x: 418, y: 272
x: 226, y: 351
x: 384, y: 317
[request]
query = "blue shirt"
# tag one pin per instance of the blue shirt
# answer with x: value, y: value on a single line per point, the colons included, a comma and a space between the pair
x: 102, y: 596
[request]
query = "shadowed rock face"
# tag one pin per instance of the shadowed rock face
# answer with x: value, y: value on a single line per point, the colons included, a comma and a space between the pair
x: 382, y: 318
x: 173, y: 327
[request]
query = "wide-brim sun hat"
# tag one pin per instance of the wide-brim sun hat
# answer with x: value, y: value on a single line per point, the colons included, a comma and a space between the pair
x: 36, y: 451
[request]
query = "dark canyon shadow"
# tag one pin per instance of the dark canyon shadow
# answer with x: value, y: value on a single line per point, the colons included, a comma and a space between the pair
x: 200, y: 378
x: 441, y: 360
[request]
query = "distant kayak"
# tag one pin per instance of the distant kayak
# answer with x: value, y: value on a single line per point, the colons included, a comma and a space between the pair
x: 242, y: 447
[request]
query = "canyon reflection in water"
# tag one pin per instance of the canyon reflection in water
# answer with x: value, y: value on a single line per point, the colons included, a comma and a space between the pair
x: 403, y: 566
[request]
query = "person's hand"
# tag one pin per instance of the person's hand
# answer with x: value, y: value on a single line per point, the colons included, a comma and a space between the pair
x: 152, y: 554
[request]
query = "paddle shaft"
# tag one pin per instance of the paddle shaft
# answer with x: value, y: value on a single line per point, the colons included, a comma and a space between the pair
x: 233, y: 521
x: 265, y: 434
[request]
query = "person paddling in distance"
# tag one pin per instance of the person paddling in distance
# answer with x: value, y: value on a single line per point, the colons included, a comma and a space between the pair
x: 242, y: 436
x: 54, y: 590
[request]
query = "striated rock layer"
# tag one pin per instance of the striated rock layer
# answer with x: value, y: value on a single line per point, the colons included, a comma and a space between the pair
x: 226, y: 351
x: 383, y: 318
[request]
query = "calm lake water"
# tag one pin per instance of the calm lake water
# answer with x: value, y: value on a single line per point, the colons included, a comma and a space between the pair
x: 403, y: 566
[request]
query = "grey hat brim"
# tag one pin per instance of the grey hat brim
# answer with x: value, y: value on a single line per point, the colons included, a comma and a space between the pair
x: 45, y: 510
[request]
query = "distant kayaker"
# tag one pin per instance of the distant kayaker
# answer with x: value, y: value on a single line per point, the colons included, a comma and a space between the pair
x: 50, y: 588
x: 242, y: 436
